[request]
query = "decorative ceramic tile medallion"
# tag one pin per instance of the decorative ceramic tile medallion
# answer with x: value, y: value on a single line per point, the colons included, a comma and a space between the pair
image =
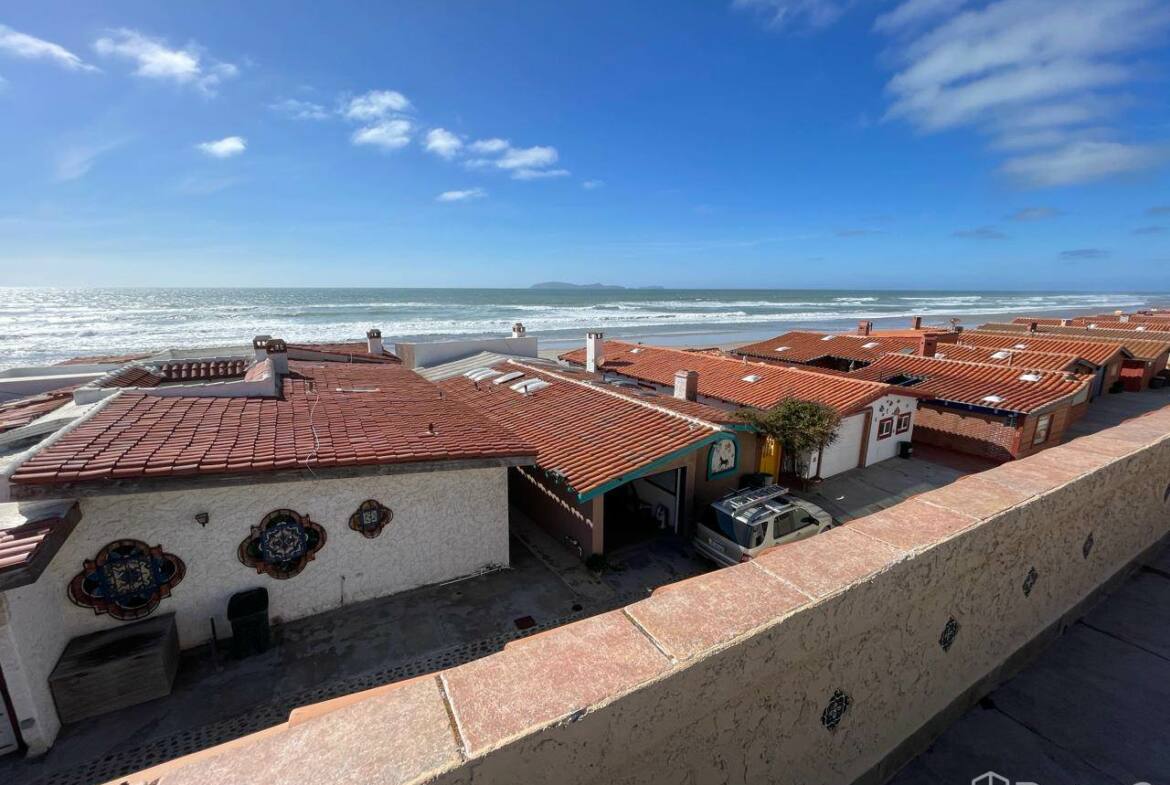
x: 838, y: 705
x: 370, y: 518
x: 128, y: 579
x: 283, y: 543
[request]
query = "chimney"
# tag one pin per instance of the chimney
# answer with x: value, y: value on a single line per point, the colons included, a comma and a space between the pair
x: 374, y: 340
x: 686, y: 385
x: 1064, y: 322
x: 518, y: 330
x: 1123, y: 318
x: 277, y: 351
x: 927, y: 344
x: 864, y: 327
x: 1032, y: 326
x: 916, y: 323
x: 594, y: 352
x: 259, y: 353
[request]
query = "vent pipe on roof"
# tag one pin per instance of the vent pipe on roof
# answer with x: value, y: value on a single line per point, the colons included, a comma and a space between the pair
x: 864, y: 327
x: 277, y: 352
x: 594, y: 351
x: 686, y: 385
x: 374, y: 340
x: 259, y: 353
x: 927, y: 344
x: 518, y: 330
x: 916, y: 323
x: 1032, y: 326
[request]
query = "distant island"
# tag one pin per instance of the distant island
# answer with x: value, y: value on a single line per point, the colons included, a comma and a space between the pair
x: 564, y: 285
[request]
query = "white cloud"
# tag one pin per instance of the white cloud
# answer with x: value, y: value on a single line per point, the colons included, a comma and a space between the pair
x: 795, y: 13
x: 153, y: 59
x: 302, y: 110
x: 461, y: 196
x: 590, y: 185
x: 375, y: 105
x: 28, y: 47
x: 527, y: 157
x: 228, y: 147
x: 1082, y: 162
x: 489, y: 146
x: 1032, y: 75
x: 75, y: 161
x: 389, y: 134
x: 538, y: 174
x: 443, y: 143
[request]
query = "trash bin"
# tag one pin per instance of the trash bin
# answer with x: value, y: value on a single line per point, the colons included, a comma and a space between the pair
x: 905, y: 450
x: 248, y: 615
x: 757, y: 480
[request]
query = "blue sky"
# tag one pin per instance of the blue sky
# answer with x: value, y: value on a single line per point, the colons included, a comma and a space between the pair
x: 758, y: 143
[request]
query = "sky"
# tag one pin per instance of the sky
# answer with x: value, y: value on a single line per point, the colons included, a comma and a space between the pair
x: 1015, y: 144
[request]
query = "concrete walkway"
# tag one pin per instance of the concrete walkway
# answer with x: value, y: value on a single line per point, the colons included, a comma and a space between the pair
x: 1094, y: 708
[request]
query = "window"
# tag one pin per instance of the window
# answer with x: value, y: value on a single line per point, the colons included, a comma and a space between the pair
x: 1042, y: 426
x: 783, y: 524
x: 903, y: 423
x: 885, y: 427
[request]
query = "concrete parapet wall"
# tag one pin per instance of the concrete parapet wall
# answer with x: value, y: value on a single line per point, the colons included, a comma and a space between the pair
x: 813, y: 664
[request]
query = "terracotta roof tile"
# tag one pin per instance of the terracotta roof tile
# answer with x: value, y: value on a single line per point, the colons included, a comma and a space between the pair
x: 29, y: 538
x: 21, y: 411
x: 200, y: 370
x: 329, y: 415
x: 590, y: 433
x: 725, y: 379
x: 105, y: 359
x: 1047, y: 361
x: 803, y: 347
x: 1142, y: 344
x: 1093, y: 351
x: 348, y: 351
x: 978, y: 384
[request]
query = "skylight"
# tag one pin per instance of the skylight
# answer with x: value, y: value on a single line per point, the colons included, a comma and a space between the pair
x: 1000, y: 355
x: 752, y: 377
x: 870, y: 345
x: 508, y: 377
x: 1029, y: 377
x: 1140, y: 327
x: 1020, y: 346
x: 530, y: 386
x: 828, y: 338
x: 479, y: 374
x: 636, y: 350
x: 993, y: 399
x: 783, y: 348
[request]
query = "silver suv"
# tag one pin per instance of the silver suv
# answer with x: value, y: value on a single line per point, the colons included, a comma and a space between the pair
x: 742, y: 524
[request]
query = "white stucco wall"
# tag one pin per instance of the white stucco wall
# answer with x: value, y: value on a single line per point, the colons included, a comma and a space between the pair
x: 843, y: 454
x: 889, y: 406
x: 446, y: 524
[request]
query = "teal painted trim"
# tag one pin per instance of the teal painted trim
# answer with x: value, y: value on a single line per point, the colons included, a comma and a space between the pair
x: 725, y: 472
x: 653, y: 467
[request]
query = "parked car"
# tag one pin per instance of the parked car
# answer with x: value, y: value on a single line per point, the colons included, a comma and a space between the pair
x: 745, y: 523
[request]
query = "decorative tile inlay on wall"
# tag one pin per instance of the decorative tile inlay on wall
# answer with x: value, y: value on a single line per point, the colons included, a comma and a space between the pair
x: 128, y: 579
x: 949, y: 633
x: 283, y: 543
x: 370, y: 518
x: 1087, y: 548
x: 1030, y: 580
x: 838, y: 705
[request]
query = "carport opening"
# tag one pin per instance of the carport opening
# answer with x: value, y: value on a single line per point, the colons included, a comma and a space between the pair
x: 644, y: 508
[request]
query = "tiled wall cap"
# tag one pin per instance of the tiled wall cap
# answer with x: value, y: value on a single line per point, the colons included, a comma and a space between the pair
x: 373, y: 332
x: 275, y: 346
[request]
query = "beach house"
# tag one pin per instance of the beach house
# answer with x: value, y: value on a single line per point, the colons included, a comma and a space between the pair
x: 320, y: 482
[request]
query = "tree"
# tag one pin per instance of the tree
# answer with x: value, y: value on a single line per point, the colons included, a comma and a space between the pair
x: 801, y: 428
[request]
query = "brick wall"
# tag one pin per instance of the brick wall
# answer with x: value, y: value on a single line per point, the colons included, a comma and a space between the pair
x: 985, y: 435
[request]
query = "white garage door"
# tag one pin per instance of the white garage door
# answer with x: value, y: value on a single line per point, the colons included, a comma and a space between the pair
x: 842, y: 455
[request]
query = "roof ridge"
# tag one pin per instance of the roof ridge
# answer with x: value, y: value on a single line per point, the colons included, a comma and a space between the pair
x: 622, y: 396
x: 976, y: 364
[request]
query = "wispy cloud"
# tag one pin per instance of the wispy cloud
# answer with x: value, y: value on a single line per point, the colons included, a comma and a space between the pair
x: 489, y: 146
x: 75, y: 161
x: 302, y: 110
x: 538, y: 174
x: 590, y: 185
x: 29, y: 47
x: 1034, y: 214
x: 461, y: 196
x: 443, y: 143
x: 389, y: 134
x: 154, y: 59
x: 375, y: 105
x: 1042, y: 76
x: 384, y: 114
x: 980, y: 233
x: 1078, y: 254
x: 522, y: 163
x: 794, y: 13
x: 228, y: 147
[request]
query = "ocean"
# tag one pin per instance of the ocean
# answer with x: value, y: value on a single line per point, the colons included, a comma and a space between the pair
x: 41, y: 325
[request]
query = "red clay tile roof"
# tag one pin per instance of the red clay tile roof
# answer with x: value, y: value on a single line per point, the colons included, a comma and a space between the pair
x: 803, y: 347
x: 1142, y: 345
x: 1093, y: 351
x: 972, y: 383
x: 330, y: 415
x: 130, y: 376
x: 591, y: 434
x: 27, y: 546
x: 722, y: 378
x: 21, y: 411
x: 1047, y: 361
x: 353, y: 351
x: 198, y: 370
